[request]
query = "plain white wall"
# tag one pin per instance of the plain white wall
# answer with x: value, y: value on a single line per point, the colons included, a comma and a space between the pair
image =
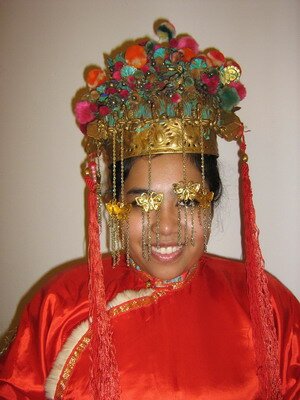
x: 45, y: 46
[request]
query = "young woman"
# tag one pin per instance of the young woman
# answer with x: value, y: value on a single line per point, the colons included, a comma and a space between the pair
x: 162, y: 318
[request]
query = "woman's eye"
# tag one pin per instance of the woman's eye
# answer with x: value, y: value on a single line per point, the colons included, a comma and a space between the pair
x: 133, y: 203
x: 188, y: 203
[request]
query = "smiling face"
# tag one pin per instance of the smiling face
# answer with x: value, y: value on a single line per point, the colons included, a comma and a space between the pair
x: 170, y: 260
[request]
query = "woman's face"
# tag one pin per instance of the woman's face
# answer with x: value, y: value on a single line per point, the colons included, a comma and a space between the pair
x: 170, y: 260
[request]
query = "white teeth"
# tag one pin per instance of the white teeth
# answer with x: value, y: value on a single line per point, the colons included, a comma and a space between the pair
x: 166, y: 250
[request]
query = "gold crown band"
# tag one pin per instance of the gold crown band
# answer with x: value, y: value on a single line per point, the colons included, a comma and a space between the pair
x: 165, y: 135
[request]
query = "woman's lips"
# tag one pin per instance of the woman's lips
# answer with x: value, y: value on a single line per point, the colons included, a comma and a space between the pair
x: 166, y: 253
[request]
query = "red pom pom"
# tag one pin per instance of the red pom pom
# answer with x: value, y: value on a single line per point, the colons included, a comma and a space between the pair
x: 111, y: 90
x: 176, y: 98
x: 174, y: 43
x: 216, y: 58
x: 211, y: 82
x: 145, y: 68
x: 136, y: 56
x: 240, y: 88
x: 118, y: 65
x: 124, y: 93
x: 104, y: 110
x: 95, y: 77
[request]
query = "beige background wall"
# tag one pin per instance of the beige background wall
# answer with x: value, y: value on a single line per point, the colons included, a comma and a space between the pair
x: 45, y: 45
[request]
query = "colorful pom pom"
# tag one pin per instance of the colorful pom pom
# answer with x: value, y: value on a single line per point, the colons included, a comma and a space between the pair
x: 95, y: 77
x: 136, y: 56
x: 211, y: 82
x: 118, y: 65
x: 240, y: 88
x: 216, y: 58
x: 85, y: 112
x: 229, y: 98
x: 165, y: 31
x: 176, y: 98
x: 124, y: 93
x: 188, y: 42
x: 104, y: 110
x: 111, y: 90
x: 188, y: 54
x: 117, y: 75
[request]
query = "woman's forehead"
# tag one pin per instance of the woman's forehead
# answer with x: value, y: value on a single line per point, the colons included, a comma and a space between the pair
x: 161, y: 169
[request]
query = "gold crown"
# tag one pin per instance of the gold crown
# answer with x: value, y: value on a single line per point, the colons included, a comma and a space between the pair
x: 162, y: 98
x: 164, y: 135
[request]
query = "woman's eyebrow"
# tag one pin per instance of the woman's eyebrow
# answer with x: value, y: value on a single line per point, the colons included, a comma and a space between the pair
x: 137, y: 191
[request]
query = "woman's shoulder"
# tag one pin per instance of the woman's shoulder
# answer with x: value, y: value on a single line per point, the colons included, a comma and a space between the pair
x: 71, y: 283
x: 234, y: 273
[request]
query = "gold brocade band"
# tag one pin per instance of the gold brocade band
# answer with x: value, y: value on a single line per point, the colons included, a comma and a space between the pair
x: 166, y: 136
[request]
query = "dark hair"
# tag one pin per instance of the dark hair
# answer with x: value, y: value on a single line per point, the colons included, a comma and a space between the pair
x: 210, y: 166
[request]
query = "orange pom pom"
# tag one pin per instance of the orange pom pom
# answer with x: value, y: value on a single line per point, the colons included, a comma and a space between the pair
x: 188, y: 54
x: 95, y: 77
x: 136, y: 56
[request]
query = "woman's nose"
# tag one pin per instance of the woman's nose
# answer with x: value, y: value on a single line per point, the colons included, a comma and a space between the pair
x: 165, y: 220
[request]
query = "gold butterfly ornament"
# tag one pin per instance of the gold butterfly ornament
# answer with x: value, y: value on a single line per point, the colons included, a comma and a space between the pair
x: 149, y: 201
x: 191, y: 191
x: 186, y: 191
x: 118, y: 210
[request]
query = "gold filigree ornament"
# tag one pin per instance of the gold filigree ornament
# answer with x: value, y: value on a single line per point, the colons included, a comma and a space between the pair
x: 204, y: 198
x: 118, y: 210
x: 230, y: 74
x: 186, y: 191
x: 149, y: 201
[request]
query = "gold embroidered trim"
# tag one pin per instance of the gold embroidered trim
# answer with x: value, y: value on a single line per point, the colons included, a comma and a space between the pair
x: 69, y: 365
x: 136, y: 303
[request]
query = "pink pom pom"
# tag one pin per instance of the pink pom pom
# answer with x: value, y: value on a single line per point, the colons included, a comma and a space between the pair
x: 211, y: 82
x: 188, y: 42
x: 117, y: 75
x: 240, y: 88
x: 84, y: 112
x: 104, y: 110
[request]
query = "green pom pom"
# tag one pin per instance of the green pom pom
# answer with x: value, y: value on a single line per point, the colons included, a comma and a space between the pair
x: 229, y: 98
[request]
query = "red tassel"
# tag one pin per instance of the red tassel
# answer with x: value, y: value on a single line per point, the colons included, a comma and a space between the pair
x: 104, y: 370
x: 264, y: 332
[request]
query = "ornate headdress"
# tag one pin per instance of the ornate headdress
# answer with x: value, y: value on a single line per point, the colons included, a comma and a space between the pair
x: 165, y: 97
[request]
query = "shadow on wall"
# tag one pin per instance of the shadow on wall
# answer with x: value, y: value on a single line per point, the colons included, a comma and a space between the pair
x: 10, y: 333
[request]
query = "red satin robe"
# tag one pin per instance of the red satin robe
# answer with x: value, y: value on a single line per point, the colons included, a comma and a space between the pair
x: 191, y: 340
